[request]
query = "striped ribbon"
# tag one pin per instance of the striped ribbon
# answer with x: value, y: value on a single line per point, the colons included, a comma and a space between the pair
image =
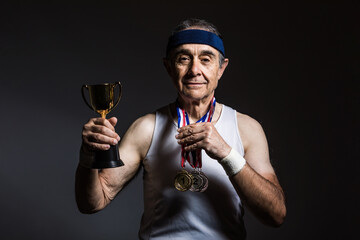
x: 183, y: 119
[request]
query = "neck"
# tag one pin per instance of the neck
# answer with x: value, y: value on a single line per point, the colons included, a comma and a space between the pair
x: 195, y: 109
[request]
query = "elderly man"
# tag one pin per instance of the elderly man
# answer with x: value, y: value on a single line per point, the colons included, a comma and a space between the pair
x: 188, y: 193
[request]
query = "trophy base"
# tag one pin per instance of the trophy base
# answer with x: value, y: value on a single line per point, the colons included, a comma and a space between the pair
x: 107, y: 159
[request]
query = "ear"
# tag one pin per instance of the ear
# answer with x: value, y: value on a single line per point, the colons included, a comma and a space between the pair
x: 167, y: 65
x: 223, y: 67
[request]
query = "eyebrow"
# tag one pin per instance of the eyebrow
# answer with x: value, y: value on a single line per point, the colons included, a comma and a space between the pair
x: 207, y: 52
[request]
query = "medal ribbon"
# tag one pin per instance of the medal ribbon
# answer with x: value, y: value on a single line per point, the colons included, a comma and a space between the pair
x: 183, y: 120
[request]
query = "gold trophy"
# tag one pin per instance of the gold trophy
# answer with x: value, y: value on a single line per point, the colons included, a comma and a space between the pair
x: 102, y: 101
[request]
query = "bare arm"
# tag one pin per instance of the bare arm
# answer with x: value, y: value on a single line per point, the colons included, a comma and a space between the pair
x: 96, y: 189
x: 256, y: 183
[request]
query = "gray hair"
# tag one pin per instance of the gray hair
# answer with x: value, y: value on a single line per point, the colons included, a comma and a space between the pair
x: 201, y: 24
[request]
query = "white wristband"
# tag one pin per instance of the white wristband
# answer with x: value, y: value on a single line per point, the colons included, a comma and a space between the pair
x: 232, y: 163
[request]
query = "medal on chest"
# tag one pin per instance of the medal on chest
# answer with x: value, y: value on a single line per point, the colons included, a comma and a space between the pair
x: 195, y: 181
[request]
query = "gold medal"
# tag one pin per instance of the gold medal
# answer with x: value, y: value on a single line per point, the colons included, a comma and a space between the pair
x: 183, y: 181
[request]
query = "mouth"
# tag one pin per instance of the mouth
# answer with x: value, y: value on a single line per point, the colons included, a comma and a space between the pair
x: 194, y: 83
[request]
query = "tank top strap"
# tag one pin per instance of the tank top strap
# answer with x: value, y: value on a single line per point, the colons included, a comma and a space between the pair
x: 228, y: 125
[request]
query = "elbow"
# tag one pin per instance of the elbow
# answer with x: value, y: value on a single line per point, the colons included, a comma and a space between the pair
x: 278, y: 217
x: 279, y: 213
x: 274, y: 218
x: 87, y: 209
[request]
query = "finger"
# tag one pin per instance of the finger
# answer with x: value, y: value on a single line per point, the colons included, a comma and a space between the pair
x: 189, y: 130
x: 99, y: 138
x: 103, y: 130
x: 99, y: 125
x: 193, y: 147
x: 89, y: 129
x: 103, y: 122
x: 192, y: 138
x: 93, y: 146
x: 113, y: 121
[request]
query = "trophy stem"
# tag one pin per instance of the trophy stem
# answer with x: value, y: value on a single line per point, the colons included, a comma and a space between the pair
x: 102, y: 101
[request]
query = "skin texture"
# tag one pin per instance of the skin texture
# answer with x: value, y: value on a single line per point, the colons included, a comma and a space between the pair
x: 195, y: 71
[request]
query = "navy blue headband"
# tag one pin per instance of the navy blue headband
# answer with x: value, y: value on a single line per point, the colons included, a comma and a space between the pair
x: 196, y: 36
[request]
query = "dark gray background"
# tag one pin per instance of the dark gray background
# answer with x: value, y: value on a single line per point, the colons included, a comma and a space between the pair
x: 292, y: 67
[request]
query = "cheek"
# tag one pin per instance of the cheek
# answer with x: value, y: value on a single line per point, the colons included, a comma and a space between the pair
x: 211, y: 75
x: 179, y: 71
x: 175, y: 76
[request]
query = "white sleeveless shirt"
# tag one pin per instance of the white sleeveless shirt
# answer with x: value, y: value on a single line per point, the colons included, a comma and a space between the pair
x: 170, y: 214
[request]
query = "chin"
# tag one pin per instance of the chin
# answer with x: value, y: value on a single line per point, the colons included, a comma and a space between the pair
x: 195, y: 93
x: 195, y: 96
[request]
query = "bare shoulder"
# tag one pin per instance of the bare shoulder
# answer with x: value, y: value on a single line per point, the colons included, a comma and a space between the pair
x: 138, y: 137
x: 255, y: 144
x: 246, y: 120
x: 250, y: 129
x: 144, y: 124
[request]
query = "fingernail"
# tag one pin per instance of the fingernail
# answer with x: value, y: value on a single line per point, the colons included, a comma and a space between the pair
x: 115, y: 142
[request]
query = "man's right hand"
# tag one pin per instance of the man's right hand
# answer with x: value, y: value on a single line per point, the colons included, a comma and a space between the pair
x: 99, y: 134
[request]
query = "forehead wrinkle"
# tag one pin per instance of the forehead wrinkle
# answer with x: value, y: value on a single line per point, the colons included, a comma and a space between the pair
x: 182, y: 51
x: 189, y: 52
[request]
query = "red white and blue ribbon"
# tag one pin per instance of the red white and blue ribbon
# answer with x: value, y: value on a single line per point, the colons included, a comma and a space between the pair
x: 183, y: 119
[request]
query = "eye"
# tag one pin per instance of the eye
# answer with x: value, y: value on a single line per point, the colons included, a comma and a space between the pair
x: 183, y: 59
x: 205, y: 60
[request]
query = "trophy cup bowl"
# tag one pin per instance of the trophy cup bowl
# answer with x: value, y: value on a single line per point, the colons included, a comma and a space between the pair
x: 102, y: 101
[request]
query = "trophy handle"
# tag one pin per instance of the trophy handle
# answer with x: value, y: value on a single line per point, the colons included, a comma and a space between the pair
x: 83, y: 95
x: 120, y: 93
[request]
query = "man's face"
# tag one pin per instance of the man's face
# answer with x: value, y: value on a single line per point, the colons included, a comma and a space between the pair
x: 195, y: 70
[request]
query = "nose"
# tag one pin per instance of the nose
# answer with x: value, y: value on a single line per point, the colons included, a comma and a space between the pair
x: 195, y: 68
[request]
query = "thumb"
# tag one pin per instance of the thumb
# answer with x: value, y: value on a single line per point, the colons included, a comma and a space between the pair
x: 113, y: 121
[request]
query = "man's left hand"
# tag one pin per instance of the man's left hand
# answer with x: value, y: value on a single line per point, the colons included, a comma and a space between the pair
x: 203, y: 136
